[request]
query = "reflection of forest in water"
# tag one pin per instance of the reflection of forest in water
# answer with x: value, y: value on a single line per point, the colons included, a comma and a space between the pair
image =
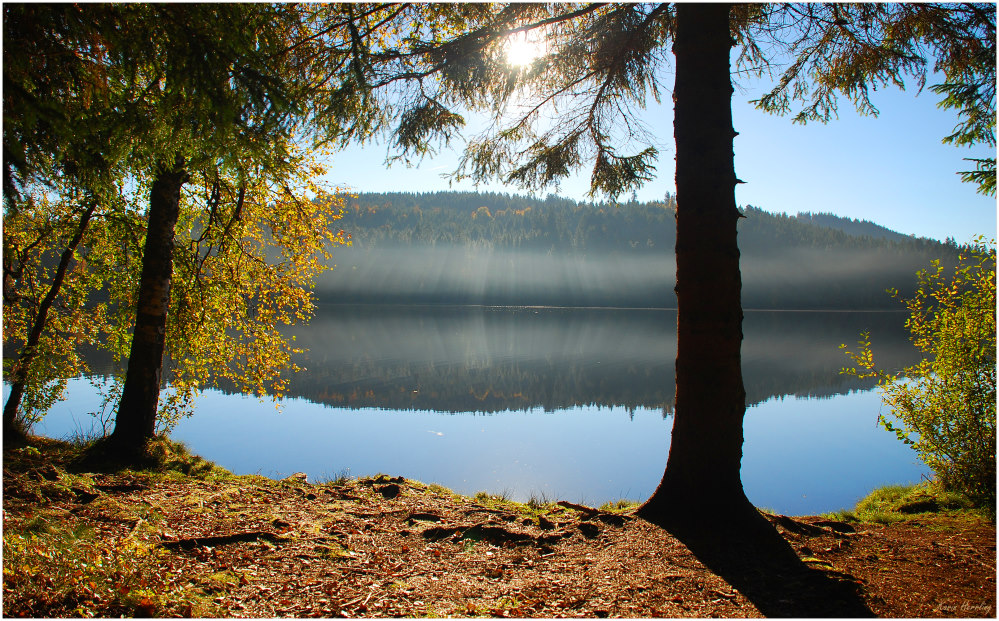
x: 496, y: 359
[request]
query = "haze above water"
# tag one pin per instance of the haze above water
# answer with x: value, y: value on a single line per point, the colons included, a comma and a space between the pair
x: 571, y: 404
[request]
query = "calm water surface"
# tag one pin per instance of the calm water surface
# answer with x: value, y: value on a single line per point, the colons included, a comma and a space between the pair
x: 569, y: 404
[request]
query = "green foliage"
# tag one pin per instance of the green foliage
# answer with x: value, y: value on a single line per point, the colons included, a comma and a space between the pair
x: 135, y: 85
x: 577, y: 103
x: 536, y: 505
x: 502, y: 497
x: 53, y: 567
x: 984, y: 174
x: 248, y: 250
x: 170, y: 456
x: 50, y: 50
x: 383, y: 70
x: 95, y: 94
x: 341, y: 477
x: 95, y: 100
x: 852, y: 49
x: 82, y: 313
x: 538, y: 501
x: 945, y: 405
x: 483, y: 220
x: 250, y: 245
x: 488, y: 220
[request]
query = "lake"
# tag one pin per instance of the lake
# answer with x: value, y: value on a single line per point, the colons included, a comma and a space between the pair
x: 572, y: 404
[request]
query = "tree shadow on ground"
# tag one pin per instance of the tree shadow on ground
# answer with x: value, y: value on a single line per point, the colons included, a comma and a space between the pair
x: 753, y: 557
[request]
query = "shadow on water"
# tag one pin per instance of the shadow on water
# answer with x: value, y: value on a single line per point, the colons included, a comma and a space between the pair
x: 752, y: 556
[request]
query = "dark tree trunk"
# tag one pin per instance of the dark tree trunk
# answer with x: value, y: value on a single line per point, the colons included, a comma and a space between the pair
x: 135, y: 422
x: 700, y: 499
x: 702, y: 477
x: 12, y: 430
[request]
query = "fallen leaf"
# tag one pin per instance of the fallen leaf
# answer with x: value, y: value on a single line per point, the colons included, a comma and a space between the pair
x: 146, y: 607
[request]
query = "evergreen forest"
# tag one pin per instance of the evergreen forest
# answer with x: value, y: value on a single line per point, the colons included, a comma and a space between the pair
x: 507, y: 249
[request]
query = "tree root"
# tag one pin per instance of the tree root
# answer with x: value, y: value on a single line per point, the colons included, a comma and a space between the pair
x: 217, y: 540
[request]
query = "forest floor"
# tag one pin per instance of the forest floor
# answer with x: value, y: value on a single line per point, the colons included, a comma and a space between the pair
x: 144, y: 543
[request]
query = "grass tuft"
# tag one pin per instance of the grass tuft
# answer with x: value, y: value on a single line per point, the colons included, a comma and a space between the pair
x: 539, y: 500
x: 504, y: 496
x: 898, y: 503
x: 342, y: 477
x: 620, y: 505
x: 160, y: 455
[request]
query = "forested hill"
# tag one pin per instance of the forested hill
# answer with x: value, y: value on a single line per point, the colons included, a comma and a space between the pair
x: 857, y: 228
x: 490, y: 248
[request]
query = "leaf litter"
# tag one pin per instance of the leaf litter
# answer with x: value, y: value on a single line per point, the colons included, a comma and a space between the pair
x: 379, y: 547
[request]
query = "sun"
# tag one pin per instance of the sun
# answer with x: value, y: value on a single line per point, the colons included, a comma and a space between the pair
x: 522, y: 50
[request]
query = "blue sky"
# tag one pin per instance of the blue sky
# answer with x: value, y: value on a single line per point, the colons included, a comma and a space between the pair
x: 892, y: 169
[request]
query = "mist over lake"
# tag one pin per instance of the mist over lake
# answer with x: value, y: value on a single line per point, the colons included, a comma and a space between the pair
x: 500, y: 249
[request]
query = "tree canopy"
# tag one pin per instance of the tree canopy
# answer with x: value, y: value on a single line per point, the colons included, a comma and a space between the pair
x: 120, y: 104
x: 385, y: 70
x: 851, y: 49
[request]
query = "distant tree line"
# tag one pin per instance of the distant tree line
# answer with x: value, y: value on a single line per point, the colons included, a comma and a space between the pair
x: 804, y: 261
x: 503, y: 220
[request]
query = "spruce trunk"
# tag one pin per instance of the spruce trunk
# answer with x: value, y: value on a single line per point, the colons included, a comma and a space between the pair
x: 702, y: 477
x: 135, y: 423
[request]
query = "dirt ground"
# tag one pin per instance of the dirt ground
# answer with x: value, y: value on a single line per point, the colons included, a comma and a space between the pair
x: 392, y: 547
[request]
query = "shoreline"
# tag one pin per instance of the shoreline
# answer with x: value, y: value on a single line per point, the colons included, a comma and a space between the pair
x: 208, y: 543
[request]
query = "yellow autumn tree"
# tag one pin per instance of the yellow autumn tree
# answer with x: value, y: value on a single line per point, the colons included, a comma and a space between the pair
x: 57, y: 281
x: 250, y: 243
x: 944, y: 407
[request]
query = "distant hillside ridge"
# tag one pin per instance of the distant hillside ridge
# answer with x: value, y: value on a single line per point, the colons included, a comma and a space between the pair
x: 506, y: 249
x: 855, y: 227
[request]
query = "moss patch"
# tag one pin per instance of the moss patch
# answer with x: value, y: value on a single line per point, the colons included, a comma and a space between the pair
x: 899, y: 503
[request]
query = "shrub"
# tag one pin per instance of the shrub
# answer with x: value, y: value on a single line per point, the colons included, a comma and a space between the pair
x: 945, y: 406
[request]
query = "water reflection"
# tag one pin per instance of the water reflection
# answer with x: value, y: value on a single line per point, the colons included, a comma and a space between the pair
x: 498, y: 359
x: 566, y: 403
